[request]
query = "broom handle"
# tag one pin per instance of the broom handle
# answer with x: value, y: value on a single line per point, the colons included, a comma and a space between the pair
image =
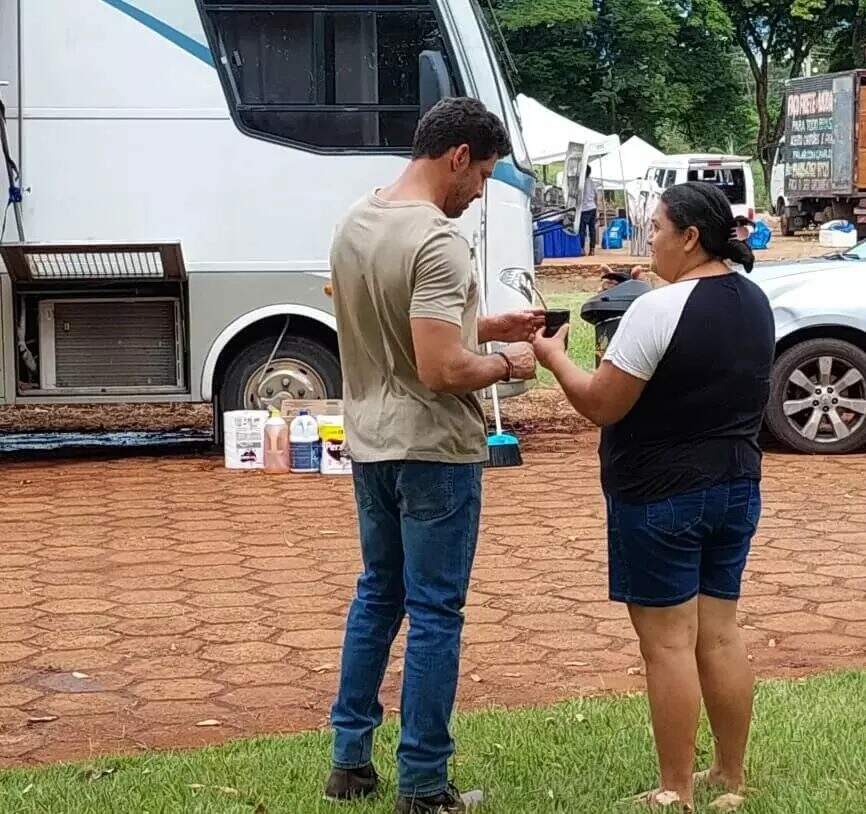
x: 482, y: 288
x: 496, y: 416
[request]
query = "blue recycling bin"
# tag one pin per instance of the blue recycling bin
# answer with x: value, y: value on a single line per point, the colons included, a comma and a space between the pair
x: 559, y: 241
x: 617, y: 231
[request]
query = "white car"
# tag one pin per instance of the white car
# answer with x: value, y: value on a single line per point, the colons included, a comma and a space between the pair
x: 818, y: 394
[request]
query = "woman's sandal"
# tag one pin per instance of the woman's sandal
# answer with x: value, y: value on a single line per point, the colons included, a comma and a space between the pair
x: 730, y: 801
x: 659, y: 798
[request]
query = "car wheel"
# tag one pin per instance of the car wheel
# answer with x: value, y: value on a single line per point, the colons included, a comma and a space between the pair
x: 818, y: 397
x: 300, y: 369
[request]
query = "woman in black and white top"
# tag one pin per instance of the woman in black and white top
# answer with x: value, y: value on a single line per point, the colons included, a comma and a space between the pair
x: 681, y: 394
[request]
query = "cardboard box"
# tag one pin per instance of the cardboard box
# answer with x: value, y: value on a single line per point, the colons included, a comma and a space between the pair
x: 244, y: 439
x: 317, y: 407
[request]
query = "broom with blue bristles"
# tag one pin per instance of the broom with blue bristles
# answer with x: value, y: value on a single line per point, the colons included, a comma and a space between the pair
x: 503, y: 449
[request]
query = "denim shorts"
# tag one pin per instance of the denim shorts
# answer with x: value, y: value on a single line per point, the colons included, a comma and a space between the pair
x: 666, y: 553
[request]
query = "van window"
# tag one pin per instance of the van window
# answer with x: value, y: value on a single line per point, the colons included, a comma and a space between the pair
x: 331, y: 75
x: 670, y: 178
x: 732, y: 182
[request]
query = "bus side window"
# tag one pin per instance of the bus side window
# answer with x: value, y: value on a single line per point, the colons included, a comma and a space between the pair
x: 332, y: 80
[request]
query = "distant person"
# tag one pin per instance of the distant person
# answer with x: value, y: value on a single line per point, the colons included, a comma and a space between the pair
x: 611, y: 279
x: 588, y: 214
x: 681, y: 394
x: 406, y: 299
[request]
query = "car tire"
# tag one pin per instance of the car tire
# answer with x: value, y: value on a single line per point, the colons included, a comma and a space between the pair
x: 311, y: 360
x: 803, y: 360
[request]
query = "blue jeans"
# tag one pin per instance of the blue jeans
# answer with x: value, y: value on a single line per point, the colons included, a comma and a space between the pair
x: 587, y: 227
x: 667, y: 552
x: 419, y: 529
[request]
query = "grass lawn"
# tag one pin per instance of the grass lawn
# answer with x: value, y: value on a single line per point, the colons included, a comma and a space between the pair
x: 808, y: 757
x: 581, y: 345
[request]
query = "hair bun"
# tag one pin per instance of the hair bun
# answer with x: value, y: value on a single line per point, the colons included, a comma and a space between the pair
x: 740, y: 252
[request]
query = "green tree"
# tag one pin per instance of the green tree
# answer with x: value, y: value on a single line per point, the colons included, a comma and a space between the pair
x: 716, y: 113
x: 848, y: 44
x: 780, y: 33
x: 661, y: 70
x: 552, y: 45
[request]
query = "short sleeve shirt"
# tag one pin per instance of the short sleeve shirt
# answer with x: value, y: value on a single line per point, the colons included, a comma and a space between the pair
x: 392, y: 261
x: 705, y: 349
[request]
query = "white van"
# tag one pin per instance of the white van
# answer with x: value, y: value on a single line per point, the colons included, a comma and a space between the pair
x: 732, y: 174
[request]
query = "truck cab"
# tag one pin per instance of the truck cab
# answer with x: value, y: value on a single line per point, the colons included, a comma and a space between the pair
x: 778, y: 197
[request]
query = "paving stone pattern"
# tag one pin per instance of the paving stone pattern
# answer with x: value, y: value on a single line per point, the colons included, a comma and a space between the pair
x: 179, y: 592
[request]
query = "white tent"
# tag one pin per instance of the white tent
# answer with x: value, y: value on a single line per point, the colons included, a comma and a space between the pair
x: 547, y: 134
x: 637, y: 156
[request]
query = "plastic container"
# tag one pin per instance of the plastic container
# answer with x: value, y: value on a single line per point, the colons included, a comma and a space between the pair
x: 335, y: 455
x: 276, y: 444
x: 558, y: 241
x: 838, y: 234
x: 605, y: 310
x: 243, y: 438
x: 616, y: 232
x: 304, y: 444
x: 612, y: 238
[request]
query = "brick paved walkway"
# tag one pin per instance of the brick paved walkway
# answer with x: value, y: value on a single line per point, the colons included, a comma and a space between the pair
x: 179, y: 592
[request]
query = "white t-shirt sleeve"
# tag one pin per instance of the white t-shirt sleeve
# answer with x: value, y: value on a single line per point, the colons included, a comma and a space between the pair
x: 645, y: 332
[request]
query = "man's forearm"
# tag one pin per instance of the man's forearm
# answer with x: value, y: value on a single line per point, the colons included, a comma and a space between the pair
x: 487, y: 330
x: 469, y: 372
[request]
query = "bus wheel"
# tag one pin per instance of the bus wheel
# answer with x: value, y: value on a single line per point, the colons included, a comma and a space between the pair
x: 301, y: 368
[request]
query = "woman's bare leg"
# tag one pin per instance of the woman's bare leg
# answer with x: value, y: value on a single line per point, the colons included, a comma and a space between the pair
x: 668, y: 637
x: 727, y: 683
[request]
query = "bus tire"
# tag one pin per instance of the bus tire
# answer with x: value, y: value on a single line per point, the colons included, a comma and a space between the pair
x: 302, y: 368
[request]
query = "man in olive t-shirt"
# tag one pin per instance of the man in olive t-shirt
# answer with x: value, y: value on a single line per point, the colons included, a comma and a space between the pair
x: 406, y: 300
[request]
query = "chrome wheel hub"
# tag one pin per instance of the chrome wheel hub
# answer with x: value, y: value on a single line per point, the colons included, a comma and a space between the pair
x: 283, y: 379
x: 825, y: 400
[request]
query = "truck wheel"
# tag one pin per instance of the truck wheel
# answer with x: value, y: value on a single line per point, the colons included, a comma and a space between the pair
x: 818, y: 397
x: 785, y: 224
x: 301, y: 369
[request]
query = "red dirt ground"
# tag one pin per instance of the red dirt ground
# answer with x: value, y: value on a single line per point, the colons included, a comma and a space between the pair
x: 180, y: 592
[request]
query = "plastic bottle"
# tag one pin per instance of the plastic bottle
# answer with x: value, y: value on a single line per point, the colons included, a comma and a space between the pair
x: 276, y: 444
x: 304, y: 444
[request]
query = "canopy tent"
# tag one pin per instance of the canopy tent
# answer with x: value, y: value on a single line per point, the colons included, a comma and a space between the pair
x: 636, y: 157
x: 547, y: 134
x: 614, y: 166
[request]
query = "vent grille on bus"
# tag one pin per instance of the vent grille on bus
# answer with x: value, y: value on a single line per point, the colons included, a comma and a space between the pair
x: 67, y: 262
x: 116, y: 344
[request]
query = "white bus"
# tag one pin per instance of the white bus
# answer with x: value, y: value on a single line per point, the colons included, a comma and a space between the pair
x: 182, y: 166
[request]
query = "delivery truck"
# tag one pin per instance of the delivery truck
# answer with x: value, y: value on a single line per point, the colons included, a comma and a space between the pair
x: 821, y: 165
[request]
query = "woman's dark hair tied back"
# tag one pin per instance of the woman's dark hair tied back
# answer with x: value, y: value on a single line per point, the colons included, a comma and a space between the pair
x: 705, y: 207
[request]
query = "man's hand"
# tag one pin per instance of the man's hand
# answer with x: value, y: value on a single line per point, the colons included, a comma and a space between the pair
x: 549, y: 349
x: 522, y: 360
x: 515, y: 326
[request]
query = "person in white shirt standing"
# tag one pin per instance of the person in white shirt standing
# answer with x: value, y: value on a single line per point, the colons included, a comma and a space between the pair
x: 588, y: 214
